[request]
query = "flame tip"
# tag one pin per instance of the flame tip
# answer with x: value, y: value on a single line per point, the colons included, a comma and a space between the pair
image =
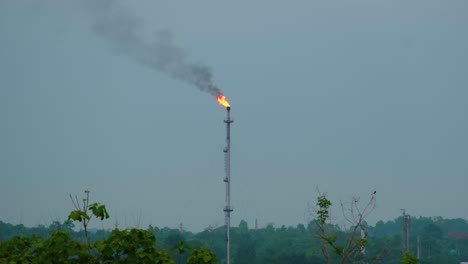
x: 221, y: 98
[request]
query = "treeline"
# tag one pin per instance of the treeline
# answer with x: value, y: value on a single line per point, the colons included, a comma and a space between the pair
x: 441, y: 241
x: 117, y: 246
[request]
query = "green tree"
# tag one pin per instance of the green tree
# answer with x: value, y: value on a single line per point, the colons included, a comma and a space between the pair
x: 408, y: 258
x: 81, y: 213
x: 202, y: 255
x: 245, y: 252
x: 181, y: 249
x: 60, y: 248
x: 132, y: 246
x: 350, y: 245
x: 18, y: 249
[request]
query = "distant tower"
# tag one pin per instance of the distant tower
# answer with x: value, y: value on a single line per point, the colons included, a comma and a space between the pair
x: 256, y: 224
x: 227, y: 166
x: 406, y: 220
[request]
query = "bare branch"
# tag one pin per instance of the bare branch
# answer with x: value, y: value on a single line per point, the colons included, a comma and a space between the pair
x: 352, y: 249
x: 348, y: 213
x: 76, y: 205
x: 77, y: 202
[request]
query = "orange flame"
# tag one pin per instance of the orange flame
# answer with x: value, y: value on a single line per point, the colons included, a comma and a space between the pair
x: 222, y: 100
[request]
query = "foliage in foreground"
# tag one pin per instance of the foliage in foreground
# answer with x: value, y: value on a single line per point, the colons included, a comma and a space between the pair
x: 352, y: 245
x: 441, y: 241
x: 408, y: 258
x: 122, y: 246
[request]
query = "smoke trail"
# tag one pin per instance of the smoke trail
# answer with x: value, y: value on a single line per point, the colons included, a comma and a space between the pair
x: 121, y: 29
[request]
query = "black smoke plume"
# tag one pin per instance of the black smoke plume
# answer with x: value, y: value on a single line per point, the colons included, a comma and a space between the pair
x: 122, y: 30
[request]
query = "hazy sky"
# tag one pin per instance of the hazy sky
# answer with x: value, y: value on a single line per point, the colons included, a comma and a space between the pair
x: 350, y: 96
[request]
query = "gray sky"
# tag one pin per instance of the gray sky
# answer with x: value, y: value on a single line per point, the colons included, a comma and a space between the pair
x: 350, y: 96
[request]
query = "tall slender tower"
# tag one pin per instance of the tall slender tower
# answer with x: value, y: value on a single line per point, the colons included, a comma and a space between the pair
x: 227, y: 166
x: 406, y: 219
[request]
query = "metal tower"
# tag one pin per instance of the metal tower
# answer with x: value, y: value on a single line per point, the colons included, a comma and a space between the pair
x: 227, y: 167
x: 406, y: 220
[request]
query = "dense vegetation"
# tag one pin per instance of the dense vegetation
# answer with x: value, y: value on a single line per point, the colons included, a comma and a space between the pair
x: 441, y: 241
x: 60, y: 244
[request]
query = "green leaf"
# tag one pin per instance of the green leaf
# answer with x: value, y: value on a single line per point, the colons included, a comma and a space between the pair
x: 77, y: 215
x: 207, y: 258
x: 99, y: 211
x: 339, y: 250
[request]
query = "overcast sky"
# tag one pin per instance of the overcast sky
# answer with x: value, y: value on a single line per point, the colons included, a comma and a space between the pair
x: 347, y: 96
